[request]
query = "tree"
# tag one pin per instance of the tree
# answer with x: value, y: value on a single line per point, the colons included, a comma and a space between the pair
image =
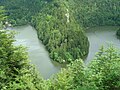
x: 2, y: 11
x: 20, y: 12
x: 15, y: 70
x: 59, y: 31
x: 2, y: 16
x: 105, y: 69
x: 74, y: 77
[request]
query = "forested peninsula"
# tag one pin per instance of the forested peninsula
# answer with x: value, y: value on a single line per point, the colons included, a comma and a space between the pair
x: 61, y: 26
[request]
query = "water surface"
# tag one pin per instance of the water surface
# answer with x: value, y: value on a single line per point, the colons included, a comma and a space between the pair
x: 98, y: 36
x: 38, y: 55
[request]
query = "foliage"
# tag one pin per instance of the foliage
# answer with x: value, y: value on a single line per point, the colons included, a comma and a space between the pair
x: 61, y: 35
x: 97, y: 12
x: 68, y: 79
x: 2, y: 12
x: 87, y: 12
x: 20, y: 12
x: 2, y: 16
x: 50, y: 18
x: 103, y: 73
x: 105, y: 69
x: 15, y: 69
x: 56, y: 25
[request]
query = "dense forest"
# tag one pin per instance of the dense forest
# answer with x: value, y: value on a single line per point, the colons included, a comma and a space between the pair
x: 97, y: 12
x: 60, y: 25
x: 61, y: 34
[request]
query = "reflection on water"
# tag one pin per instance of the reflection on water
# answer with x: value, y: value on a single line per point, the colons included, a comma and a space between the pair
x: 98, y: 36
x: 27, y: 36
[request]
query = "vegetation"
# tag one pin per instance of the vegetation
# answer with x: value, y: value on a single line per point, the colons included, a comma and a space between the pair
x: 54, y: 27
x: 87, y: 12
x: 118, y: 33
x: 61, y: 35
x: 20, y: 12
x: 106, y: 70
x: 57, y: 26
x: 2, y: 16
x: 56, y: 20
x: 103, y: 73
x: 97, y: 12
x: 16, y: 73
x: 15, y: 70
x: 2, y: 11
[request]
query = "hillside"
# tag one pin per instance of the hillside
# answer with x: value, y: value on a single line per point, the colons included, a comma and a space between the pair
x: 60, y: 25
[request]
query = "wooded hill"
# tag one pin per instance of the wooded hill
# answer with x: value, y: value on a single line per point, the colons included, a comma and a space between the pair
x: 60, y: 23
x: 61, y: 34
x: 50, y: 18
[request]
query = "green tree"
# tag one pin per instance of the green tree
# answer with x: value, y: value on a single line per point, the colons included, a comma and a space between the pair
x: 15, y: 70
x: 105, y: 69
x: 74, y: 77
x: 2, y: 12
x: 20, y: 12
x: 95, y: 13
x: 2, y: 16
x: 59, y: 31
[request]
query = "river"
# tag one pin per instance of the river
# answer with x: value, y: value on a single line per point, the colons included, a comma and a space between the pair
x: 27, y: 36
x: 38, y: 55
x: 101, y: 36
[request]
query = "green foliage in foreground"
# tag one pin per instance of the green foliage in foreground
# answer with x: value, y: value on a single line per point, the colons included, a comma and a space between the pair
x: 105, y: 69
x: 16, y: 73
x: 61, y: 35
x: 103, y: 73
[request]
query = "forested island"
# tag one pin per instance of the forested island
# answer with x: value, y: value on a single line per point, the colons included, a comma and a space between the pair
x: 61, y: 26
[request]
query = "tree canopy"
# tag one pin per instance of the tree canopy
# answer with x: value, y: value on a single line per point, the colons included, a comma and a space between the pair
x: 59, y: 24
x: 61, y: 34
x: 15, y: 70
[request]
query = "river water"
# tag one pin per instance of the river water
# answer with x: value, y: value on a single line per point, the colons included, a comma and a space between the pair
x: 101, y: 36
x: 38, y: 55
x: 27, y: 36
